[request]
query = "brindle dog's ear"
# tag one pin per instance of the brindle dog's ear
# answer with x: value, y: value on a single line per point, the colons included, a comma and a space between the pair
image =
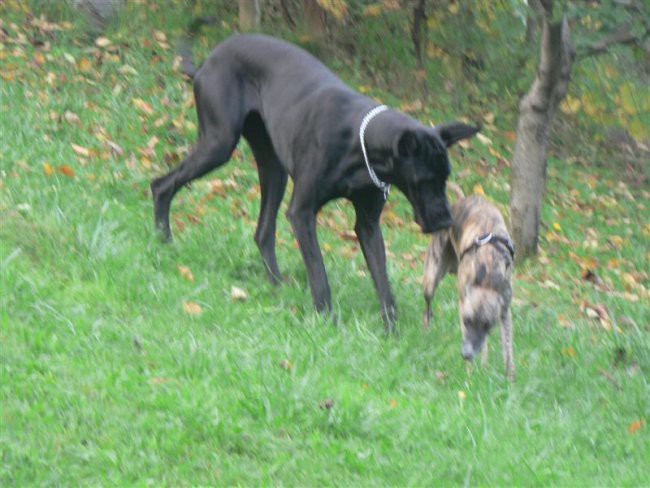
x: 406, y: 144
x: 452, y: 132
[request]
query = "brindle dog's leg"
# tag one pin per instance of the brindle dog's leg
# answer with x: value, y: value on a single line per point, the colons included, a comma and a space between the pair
x: 440, y: 260
x: 507, y: 344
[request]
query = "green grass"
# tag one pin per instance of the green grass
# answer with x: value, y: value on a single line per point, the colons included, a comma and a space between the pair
x: 107, y: 380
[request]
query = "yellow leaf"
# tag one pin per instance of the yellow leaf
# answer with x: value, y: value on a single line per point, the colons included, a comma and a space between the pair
x: 462, y: 395
x: 85, y: 65
x: 628, y: 98
x: 47, y: 169
x: 373, y: 10
x: 143, y: 106
x: 478, y: 190
x: 393, y: 403
x: 185, y: 272
x: 569, y: 352
x: 557, y: 227
x: 570, y: 105
x: 453, y: 8
x: 192, y: 308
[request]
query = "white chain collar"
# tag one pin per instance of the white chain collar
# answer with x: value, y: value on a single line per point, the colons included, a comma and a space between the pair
x: 384, y: 187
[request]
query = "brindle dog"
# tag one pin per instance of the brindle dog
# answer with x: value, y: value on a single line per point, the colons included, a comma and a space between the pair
x: 479, y: 250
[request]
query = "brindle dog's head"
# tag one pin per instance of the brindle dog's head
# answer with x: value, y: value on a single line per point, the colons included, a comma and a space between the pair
x: 480, y: 311
x: 422, y: 167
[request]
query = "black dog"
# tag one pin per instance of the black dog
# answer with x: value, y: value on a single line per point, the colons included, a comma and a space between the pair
x: 301, y: 120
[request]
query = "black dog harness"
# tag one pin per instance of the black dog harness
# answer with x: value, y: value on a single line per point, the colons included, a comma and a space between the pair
x: 490, y: 238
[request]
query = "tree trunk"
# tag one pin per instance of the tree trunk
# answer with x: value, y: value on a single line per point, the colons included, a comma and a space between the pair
x: 536, y: 111
x: 314, y: 19
x: 419, y: 20
x: 99, y: 12
x: 249, y: 15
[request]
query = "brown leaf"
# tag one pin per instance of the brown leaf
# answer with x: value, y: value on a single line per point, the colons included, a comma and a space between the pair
x: 636, y: 426
x: 349, y: 235
x: 185, y: 272
x: 326, y: 404
x: 286, y: 364
x: 192, y: 308
x: 591, y: 276
x: 66, y: 170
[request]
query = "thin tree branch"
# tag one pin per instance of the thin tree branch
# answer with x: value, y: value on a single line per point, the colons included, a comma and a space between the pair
x: 622, y: 36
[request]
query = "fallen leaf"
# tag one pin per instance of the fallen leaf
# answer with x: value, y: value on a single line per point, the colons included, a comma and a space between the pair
x: 238, y: 294
x: 142, y: 106
x: 393, y: 403
x: 462, y: 395
x: 636, y: 426
x: 326, y: 404
x: 47, y: 169
x: 192, y: 308
x: 72, y: 117
x: 85, y: 65
x: 157, y: 380
x: 441, y: 376
x: 102, y: 41
x: 115, y: 148
x: 486, y: 141
x: 66, y: 170
x: 159, y: 36
x: 80, y: 150
x: 286, y: 364
x: 185, y: 272
x: 478, y: 190
x: 569, y: 352
x: 349, y: 235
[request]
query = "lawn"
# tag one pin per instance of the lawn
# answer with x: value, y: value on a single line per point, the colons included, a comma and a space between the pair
x: 129, y: 362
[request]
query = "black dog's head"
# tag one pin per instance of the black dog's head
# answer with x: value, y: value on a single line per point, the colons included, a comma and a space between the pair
x: 421, y: 169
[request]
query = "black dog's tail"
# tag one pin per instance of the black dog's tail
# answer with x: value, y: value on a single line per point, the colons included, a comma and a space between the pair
x: 185, y: 47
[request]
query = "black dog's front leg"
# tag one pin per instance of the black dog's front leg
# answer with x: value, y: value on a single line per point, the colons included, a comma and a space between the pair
x: 303, y: 221
x: 368, y: 205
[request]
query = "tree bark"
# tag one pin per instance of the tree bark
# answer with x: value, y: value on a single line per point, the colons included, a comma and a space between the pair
x: 314, y: 19
x: 419, y: 20
x: 249, y: 15
x: 536, y: 111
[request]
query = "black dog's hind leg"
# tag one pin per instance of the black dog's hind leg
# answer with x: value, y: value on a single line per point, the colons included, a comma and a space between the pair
x: 273, y: 182
x: 220, y: 128
x: 208, y: 155
x: 368, y: 205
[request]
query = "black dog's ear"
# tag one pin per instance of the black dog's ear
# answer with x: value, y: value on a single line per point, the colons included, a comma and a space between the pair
x: 406, y: 144
x: 452, y: 132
